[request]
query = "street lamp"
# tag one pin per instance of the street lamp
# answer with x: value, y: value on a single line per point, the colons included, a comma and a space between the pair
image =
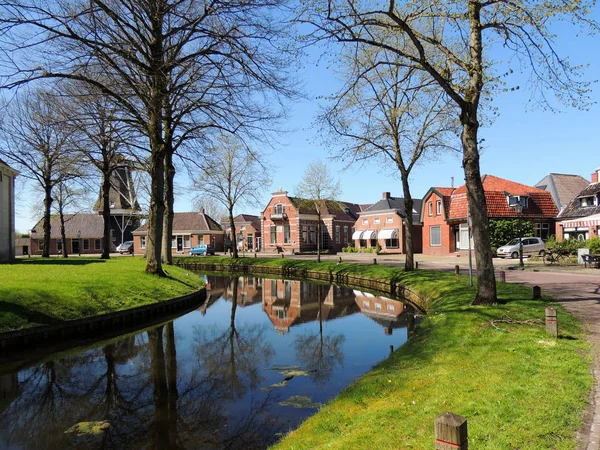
x: 519, y: 210
x: 79, y: 241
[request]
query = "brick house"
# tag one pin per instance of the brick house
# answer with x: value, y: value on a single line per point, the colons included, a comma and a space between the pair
x: 189, y: 230
x: 383, y: 224
x: 444, y: 213
x: 83, y: 232
x: 247, y: 231
x: 290, y: 224
x: 580, y: 219
x: 7, y: 212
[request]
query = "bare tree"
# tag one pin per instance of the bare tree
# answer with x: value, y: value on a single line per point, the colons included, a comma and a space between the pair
x: 66, y: 195
x: 233, y: 175
x: 317, y: 191
x: 39, y: 144
x: 173, y: 67
x: 450, y: 42
x: 211, y: 207
x: 386, y: 112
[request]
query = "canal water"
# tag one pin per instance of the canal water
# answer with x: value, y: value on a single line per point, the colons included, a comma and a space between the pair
x: 256, y: 359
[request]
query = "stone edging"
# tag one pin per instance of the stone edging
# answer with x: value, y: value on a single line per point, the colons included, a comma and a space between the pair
x: 96, y: 325
x: 389, y: 287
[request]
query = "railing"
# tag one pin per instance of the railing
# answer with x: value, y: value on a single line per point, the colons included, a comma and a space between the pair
x: 278, y: 214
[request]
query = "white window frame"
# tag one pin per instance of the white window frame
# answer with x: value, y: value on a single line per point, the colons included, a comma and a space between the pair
x: 365, y: 221
x: 142, y: 241
x: 389, y: 220
x: 438, y: 208
x: 376, y: 221
x: 430, y: 209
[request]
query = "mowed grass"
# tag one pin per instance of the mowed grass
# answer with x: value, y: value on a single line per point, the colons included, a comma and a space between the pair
x: 518, y: 387
x: 42, y: 291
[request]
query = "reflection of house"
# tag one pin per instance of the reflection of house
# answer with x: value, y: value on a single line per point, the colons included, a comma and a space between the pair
x: 247, y: 232
x: 83, y: 232
x: 290, y: 302
x: 383, y: 224
x: 290, y: 223
x: 249, y: 290
x: 386, y: 312
x: 444, y: 213
x: 189, y: 230
x: 580, y: 219
x: 7, y: 212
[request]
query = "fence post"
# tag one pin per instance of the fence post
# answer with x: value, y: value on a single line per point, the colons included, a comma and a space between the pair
x: 282, y: 256
x: 416, y: 264
x: 457, y: 271
x: 451, y: 432
x: 537, y: 292
x: 503, y: 276
x: 340, y: 260
x: 551, y: 321
x: 374, y: 260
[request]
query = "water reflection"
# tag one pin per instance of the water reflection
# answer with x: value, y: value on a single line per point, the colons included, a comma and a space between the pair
x: 236, y: 375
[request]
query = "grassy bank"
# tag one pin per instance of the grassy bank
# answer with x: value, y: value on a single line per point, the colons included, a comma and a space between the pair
x: 43, y: 291
x: 519, y: 388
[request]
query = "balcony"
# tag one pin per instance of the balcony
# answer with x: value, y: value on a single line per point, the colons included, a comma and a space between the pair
x: 278, y: 213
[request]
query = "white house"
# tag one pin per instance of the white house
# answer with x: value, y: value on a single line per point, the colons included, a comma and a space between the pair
x: 7, y: 212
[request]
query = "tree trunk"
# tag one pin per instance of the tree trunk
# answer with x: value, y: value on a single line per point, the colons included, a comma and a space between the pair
x: 63, y: 234
x: 47, y: 218
x: 173, y: 396
x: 167, y: 250
x: 106, y: 213
x: 158, y: 376
x: 409, y: 263
x: 156, y: 216
x: 233, y: 236
x: 319, y: 236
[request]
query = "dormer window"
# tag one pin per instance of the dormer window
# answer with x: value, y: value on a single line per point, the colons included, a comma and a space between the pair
x: 588, y: 201
x: 514, y: 200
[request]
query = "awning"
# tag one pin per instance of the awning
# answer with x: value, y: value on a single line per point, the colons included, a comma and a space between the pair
x: 357, y: 234
x: 388, y: 234
x: 369, y: 234
x: 589, y: 221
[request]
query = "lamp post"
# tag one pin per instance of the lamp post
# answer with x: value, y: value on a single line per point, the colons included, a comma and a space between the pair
x: 519, y: 210
x: 79, y: 241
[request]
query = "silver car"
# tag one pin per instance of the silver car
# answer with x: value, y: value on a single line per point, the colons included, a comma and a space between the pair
x: 531, y: 246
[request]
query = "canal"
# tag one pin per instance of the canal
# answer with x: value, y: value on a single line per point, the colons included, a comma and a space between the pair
x: 249, y: 365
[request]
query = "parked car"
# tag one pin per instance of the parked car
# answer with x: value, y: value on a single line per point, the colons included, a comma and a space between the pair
x: 125, y: 247
x: 201, y: 249
x: 531, y: 246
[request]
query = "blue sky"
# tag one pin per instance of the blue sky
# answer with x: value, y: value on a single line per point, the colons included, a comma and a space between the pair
x: 521, y: 145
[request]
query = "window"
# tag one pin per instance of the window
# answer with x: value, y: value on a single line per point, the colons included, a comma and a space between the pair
x: 86, y: 244
x: 142, y: 241
x: 588, y: 201
x: 391, y: 243
x: 287, y: 287
x: 377, y: 305
x: 430, y: 209
x: 59, y: 245
x: 186, y: 241
x: 365, y: 221
x: 304, y: 234
x: 273, y: 234
x: 376, y: 220
x: 337, y: 233
x: 366, y: 304
x: 435, y: 236
x: 274, y: 288
x: 541, y: 230
x: 311, y: 236
x: 286, y: 234
x: 391, y: 308
x: 438, y: 208
x: 97, y: 244
x: 278, y: 208
x: 345, y: 235
x: 362, y: 243
x: 389, y: 219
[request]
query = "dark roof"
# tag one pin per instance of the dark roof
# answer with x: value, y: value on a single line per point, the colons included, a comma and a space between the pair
x: 189, y: 221
x: 122, y: 194
x: 247, y: 218
x: 90, y: 226
x: 562, y: 187
x: 340, y: 210
x: 574, y: 208
x: 396, y: 204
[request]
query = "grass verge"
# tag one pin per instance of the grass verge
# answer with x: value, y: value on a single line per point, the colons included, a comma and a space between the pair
x: 44, y: 291
x: 519, y: 388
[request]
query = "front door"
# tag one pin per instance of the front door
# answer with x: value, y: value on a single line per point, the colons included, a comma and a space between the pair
x: 179, y: 244
x: 75, y: 246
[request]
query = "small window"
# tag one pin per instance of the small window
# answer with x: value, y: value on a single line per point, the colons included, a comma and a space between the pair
x: 435, y: 237
x: 97, y: 244
x: 389, y: 219
x: 337, y: 233
x: 430, y: 209
x: 345, y: 235
x: 86, y: 244
x: 59, y: 245
x: 142, y: 241
x: 366, y: 304
x: 377, y: 305
x: 391, y: 308
x: 365, y: 221
x: 438, y: 208
x: 376, y: 220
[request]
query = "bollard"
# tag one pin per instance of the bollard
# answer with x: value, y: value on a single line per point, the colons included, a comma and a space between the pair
x: 340, y: 260
x: 451, y: 432
x: 503, y: 276
x: 457, y: 271
x: 537, y: 292
x: 254, y: 255
x: 374, y: 260
x: 282, y: 255
x: 551, y: 321
x: 416, y: 264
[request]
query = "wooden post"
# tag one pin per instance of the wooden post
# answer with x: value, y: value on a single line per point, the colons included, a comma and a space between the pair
x: 537, y: 292
x: 503, y: 276
x: 451, y: 432
x: 282, y: 255
x: 551, y: 321
x: 374, y: 260
x: 416, y: 264
x: 255, y: 255
x: 340, y: 260
x: 457, y: 271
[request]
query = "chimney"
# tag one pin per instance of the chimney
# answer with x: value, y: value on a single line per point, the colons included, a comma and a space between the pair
x: 386, y: 195
x: 201, y: 210
x: 452, y: 182
x: 596, y: 175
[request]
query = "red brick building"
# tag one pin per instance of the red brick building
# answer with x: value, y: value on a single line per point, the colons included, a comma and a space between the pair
x: 444, y: 213
x: 383, y: 224
x: 84, y: 233
x: 290, y: 224
x: 189, y: 230
x: 247, y: 232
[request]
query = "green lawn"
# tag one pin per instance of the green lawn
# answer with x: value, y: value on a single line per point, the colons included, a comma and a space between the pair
x: 518, y: 388
x: 40, y: 291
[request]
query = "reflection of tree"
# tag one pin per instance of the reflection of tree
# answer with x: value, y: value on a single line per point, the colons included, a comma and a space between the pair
x: 319, y: 355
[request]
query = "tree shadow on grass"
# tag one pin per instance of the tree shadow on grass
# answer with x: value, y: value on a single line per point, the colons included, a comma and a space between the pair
x: 58, y: 261
x: 31, y: 316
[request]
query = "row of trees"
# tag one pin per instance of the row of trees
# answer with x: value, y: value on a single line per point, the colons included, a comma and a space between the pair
x: 416, y: 75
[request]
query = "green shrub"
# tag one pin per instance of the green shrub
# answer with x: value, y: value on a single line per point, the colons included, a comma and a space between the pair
x: 593, y: 244
x: 568, y: 246
x: 377, y: 248
x: 349, y: 249
x: 503, y: 230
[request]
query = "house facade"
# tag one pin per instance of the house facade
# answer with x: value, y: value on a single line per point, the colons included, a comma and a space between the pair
x: 83, y: 232
x: 7, y: 212
x: 580, y: 219
x: 189, y: 229
x: 383, y: 223
x: 444, y: 213
x: 291, y: 224
x: 247, y: 231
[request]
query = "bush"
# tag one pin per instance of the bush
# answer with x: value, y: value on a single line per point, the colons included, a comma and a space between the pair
x: 349, y: 249
x: 593, y: 244
x: 503, y: 230
x: 568, y: 246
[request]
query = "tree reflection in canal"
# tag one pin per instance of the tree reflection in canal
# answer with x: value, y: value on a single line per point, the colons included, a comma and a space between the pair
x: 211, y: 379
